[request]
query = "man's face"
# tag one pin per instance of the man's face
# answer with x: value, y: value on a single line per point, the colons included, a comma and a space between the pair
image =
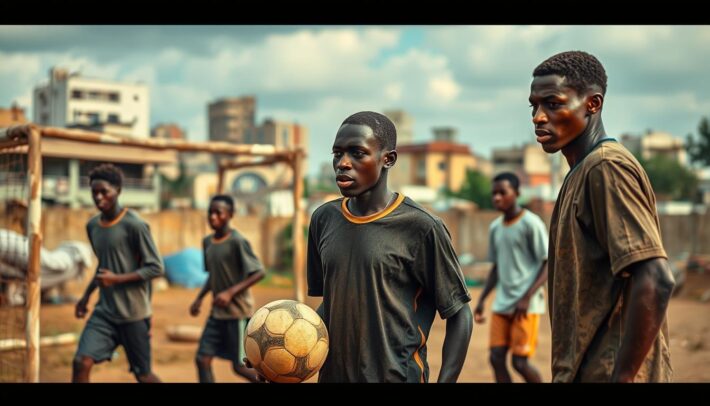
x: 357, y: 159
x: 219, y: 214
x: 504, y: 195
x: 105, y: 195
x: 559, y: 112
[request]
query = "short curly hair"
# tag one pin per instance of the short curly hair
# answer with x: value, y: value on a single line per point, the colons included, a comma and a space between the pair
x: 108, y: 172
x: 382, y: 127
x: 581, y: 70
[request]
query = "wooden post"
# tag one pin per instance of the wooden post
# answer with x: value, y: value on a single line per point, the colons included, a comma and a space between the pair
x: 299, y: 257
x: 34, y: 218
x: 220, y: 179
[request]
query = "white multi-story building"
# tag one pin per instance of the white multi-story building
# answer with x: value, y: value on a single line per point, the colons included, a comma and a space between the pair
x: 71, y: 100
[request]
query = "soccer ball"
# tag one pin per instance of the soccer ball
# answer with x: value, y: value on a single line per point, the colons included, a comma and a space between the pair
x: 286, y: 341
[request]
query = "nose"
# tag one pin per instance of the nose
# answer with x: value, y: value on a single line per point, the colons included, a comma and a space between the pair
x: 344, y: 163
x: 539, y: 117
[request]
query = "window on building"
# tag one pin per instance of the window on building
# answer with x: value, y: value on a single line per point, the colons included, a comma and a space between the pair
x: 93, y: 118
x: 113, y: 118
x: 77, y: 94
x: 135, y: 97
x: 94, y: 95
x: 284, y: 137
x: 421, y: 171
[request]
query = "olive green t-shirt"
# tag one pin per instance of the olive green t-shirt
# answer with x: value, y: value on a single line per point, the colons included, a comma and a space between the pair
x: 122, y: 246
x: 230, y: 261
x: 604, y: 220
x: 383, y: 278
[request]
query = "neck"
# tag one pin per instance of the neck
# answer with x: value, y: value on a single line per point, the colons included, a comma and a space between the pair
x: 512, y: 212
x: 112, y: 213
x: 221, y: 232
x: 576, y: 150
x: 372, y: 201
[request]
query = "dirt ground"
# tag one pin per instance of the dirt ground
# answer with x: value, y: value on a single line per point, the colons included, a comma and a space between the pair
x: 689, y: 328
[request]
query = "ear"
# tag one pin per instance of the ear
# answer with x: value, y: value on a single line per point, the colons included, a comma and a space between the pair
x: 595, y: 103
x: 390, y: 159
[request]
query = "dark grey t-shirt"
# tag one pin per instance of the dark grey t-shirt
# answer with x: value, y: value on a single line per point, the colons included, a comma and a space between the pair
x: 230, y: 261
x: 123, y: 246
x: 382, y: 278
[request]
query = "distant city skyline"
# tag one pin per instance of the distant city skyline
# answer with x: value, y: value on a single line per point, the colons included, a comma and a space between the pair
x: 473, y: 78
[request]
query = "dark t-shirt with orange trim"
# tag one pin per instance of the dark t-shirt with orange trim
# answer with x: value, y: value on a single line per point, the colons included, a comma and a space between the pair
x: 382, y: 277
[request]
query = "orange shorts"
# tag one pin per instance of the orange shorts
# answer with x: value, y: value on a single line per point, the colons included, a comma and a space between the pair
x: 519, y: 334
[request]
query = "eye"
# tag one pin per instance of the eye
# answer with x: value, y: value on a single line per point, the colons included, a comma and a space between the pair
x: 553, y: 105
x: 337, y: 154
x: 358, y: 154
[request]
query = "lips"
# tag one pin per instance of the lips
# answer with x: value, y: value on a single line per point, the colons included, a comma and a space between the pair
x: 344, y: 181
x: 543, y: 136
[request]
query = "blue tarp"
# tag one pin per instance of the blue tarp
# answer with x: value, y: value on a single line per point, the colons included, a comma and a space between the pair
x: 186, y: 268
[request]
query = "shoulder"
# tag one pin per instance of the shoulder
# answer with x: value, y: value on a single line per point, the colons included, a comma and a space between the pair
x: 134, y: 220
x: 533, y: 219
x: 93, y: 221
x: 238, y: 239
x: 326, y: 209
x: 613, y: 158
x: 495, y: 224
x: 420, y: 218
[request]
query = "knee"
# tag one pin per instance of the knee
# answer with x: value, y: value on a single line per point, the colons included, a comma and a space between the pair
x: 82, y: 363
x: 520, y: 364
x: 497, y: 357
x: 202, y: 361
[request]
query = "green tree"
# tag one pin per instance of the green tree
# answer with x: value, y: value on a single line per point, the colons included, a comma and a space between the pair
x: 699, y: 151
x: 286, y: 247
x: 670, y: 179
x: 476, y: 188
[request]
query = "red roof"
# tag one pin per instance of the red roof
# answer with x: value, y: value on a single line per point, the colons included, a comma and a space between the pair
x: 435, y: 146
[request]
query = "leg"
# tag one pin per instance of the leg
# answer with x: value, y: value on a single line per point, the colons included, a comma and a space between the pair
x: 204, y: 368
x: 148, y: 378
x: 526, y: 370
x: 81, y: 368
x: 499, y: 344
x: 232, y: 347
x: 97, y: 343
x: 249, y: 373
x: 135, y: 338
x: 498, y: 358
x: 524, y: 339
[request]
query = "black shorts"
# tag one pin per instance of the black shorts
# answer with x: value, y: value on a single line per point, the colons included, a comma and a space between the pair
x: 223, y: 339
x: 101, y: 336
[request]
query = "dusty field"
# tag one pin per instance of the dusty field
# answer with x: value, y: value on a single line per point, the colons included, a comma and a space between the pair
x: 173, y: 362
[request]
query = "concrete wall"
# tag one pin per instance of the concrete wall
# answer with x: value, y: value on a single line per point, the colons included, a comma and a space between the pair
x: 174, y: 230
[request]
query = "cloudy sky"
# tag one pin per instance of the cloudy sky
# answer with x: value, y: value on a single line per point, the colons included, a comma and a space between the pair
x: 474, y: 78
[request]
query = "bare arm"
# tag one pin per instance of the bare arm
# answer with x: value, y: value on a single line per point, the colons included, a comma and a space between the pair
x: 195, y: 306
x: 458, y: 335
x: 650, y: 291
x: 223, y: 298
x: 491, y: 282
x: 81, y: 308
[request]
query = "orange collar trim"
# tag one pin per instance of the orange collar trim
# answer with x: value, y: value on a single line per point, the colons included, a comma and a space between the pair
x: 372, y: 217
x: 114, y: 221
